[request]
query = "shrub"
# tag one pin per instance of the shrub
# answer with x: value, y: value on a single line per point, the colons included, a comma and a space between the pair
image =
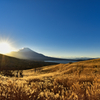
x: 7, y: 73
x: 70, y: 62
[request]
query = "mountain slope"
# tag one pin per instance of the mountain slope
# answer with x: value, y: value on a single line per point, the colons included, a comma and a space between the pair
x: 75, y: 81
x: 29, y: 54
x: 7, y: 62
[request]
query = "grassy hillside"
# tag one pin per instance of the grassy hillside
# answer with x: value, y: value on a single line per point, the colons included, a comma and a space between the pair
x: 73, y: 81
x: 7, y: 63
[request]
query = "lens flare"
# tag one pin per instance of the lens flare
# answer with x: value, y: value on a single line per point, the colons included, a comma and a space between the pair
x: 5, y: 48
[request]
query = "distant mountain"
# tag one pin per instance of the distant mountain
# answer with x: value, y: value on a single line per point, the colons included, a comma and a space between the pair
x: 29, y: 54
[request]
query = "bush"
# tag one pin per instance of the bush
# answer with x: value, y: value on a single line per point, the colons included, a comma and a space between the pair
x: 7, y: 73
x: 70, y: 62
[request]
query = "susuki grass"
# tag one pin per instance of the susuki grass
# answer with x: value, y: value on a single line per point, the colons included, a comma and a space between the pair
x: 75, y: 81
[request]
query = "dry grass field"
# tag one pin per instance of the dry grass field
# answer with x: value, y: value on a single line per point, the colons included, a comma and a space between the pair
x: 72, y: 81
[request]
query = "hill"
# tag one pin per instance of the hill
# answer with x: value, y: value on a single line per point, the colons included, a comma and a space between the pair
x: 72, y: 81
x: 8, y: 63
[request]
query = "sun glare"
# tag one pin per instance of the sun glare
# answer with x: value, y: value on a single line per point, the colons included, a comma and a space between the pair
x: 5, y: 48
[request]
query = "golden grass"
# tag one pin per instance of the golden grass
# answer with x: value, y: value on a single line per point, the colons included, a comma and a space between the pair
x: 76, y: 81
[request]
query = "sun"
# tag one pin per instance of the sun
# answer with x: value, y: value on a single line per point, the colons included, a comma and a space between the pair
x: 5, y: 48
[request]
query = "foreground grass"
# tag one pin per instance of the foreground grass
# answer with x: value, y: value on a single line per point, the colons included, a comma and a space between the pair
x: 76, y: 81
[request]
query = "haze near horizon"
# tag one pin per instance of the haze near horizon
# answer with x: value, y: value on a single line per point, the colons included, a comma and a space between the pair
x: 54, y: 28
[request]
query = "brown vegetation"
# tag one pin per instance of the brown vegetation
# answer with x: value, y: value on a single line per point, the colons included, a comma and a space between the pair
x: 73, y: 81
x: 11, y: 63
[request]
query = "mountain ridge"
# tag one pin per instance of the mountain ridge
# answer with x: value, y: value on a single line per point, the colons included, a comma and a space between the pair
x: 27, y: 53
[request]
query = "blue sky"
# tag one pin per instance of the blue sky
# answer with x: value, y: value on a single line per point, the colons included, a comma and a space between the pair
x: 59, y: 28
